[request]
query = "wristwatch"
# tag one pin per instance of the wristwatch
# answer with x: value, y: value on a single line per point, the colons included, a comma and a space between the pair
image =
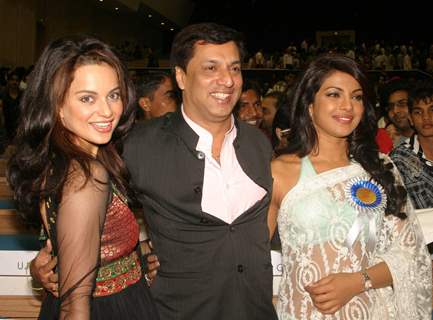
x: 367, y: 281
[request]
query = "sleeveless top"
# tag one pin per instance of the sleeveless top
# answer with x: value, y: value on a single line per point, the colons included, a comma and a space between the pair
x: 327, y: 224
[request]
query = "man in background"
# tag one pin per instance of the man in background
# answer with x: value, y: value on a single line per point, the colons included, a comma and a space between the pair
x: 414, y: 157
x: 395, y: 99
x: 156, y: 95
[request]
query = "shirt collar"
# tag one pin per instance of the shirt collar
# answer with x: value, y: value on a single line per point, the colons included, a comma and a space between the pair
x: 416, y: 148
x: 205, y: 137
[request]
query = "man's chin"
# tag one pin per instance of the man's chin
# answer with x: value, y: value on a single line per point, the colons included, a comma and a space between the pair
x: 402, y: 126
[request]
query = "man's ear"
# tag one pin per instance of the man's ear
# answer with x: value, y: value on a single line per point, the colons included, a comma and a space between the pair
x: 145, y: 104
x: 180, y: 77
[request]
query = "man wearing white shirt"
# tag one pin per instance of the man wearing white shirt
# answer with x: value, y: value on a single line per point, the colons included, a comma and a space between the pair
x: 205, y: 184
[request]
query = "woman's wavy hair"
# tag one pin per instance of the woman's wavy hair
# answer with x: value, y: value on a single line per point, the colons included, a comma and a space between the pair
x: 44, y: 147
x: 362, y: 146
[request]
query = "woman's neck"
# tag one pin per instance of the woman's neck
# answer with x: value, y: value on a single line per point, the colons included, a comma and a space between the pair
x: 331, y: 150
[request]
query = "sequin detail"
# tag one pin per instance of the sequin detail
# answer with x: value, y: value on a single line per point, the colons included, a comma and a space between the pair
x: 117, y: 275
x: 121, y: 231
x: 120, y: 264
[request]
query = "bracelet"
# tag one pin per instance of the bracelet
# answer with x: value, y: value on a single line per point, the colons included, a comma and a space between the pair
x: 37, y: 289
x: 367, y: 281
x: 148, y: 280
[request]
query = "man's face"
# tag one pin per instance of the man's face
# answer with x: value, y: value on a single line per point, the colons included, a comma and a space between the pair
x: 164, y: 99
x: 269, y: 105
x: 212, y: 83
x: 250, y: 109
x: 13, y: 81
x: 421, y: 117
x: 398, y: 111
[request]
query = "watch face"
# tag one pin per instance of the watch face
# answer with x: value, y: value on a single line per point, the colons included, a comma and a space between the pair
x: 367, y: 281
x: 368, y: 285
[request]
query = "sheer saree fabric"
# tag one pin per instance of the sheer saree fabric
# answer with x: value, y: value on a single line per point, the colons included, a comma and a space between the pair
x: 316, y: 223
x: 75, y: 229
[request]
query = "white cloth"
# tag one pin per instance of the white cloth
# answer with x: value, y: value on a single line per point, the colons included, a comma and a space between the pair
x: 425, y: 217
x: 314, y: 220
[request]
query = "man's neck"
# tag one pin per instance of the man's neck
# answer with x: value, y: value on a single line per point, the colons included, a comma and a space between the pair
x: 427, y: 146
x: 218, y: 130
x: 215, y: 128
x: 408, y: 132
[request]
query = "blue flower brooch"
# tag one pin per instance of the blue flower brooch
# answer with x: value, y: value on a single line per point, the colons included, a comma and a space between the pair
x: 365, y: 195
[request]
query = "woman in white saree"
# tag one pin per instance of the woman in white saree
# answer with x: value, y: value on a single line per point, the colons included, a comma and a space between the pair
x: 352, y: 247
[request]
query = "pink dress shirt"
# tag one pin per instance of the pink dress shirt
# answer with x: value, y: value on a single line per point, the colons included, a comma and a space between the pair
x: 227, y: 191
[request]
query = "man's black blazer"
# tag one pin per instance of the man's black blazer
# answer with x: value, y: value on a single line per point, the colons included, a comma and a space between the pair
x: 209, y: 269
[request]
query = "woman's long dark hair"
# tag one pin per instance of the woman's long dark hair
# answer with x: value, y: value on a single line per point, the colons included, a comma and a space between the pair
x: 303, y: 139
x: 44, y: 147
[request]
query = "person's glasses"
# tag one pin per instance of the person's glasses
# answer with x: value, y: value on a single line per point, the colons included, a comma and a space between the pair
x: 400, y: 103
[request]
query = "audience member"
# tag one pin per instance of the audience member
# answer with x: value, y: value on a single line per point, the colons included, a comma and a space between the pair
x: 414, y: 158
x: 10, y: 105
x: 270, y: 104
x: 156, y: 95
x: 394, y: 98
x: 249, y: 107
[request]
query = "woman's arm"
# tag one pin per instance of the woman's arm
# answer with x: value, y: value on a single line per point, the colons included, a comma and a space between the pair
x: 285, y: 173
x: 80, y: 220
x: 332, y: 292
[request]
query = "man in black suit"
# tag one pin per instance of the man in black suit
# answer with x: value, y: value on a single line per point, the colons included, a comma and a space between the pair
x: 205, y: 184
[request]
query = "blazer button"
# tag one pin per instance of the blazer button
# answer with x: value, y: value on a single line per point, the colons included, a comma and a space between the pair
x: 232, y: 229
x: 240, y: 268
x: 197, y: 190
x: 204, y: 221
x: 200, y: 155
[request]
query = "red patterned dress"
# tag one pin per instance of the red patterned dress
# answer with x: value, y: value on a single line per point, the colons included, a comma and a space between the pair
x: 109, y: 286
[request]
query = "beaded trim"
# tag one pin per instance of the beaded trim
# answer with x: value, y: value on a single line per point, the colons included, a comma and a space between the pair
x: 117, y: 275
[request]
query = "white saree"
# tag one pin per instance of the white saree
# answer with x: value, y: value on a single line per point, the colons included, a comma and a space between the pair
x: 325, y: 229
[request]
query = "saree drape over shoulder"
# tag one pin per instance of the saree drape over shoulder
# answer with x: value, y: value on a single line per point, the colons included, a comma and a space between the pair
x: 335, y: 222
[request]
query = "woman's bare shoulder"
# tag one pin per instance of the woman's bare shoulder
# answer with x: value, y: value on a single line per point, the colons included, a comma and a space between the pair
x: 285, y: 172
x: 286, y: 163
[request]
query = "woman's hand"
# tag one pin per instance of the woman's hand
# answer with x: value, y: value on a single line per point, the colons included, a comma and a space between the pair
x: 42, y: 269
x: 332, y: 292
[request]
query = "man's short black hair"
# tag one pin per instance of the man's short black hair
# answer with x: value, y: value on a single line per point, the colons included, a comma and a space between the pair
x: 182, y: 49
x: 391, y: 87
x: 421, y: 91
x: 150, y: 83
